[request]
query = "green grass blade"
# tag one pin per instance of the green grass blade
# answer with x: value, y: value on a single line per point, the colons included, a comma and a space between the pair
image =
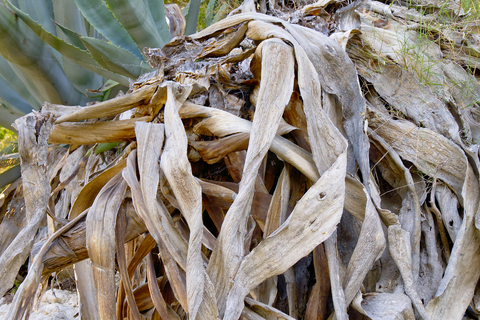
x: 115, y: 58
x: 192, y: 17
x: 99, y: 16
x: 106, y: 146
x: 134, y: 17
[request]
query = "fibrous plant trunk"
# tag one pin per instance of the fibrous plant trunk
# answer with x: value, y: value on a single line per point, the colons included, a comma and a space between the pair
x: 309, y: 162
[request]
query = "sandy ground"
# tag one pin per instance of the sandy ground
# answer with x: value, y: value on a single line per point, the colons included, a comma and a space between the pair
x: 55, y: 305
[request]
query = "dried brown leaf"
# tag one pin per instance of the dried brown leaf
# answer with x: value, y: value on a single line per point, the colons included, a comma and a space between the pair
x: 187, y: 191
x: 111, y: 107
x: 275, y: 90
x: 100, y: 236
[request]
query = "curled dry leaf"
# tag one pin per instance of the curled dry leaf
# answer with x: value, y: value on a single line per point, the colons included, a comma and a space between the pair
x: 269, y: 165
x: 100, y: 235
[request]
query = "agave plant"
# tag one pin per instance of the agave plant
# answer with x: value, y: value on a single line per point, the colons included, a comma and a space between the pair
x: 266, y: 170
x: 57, y: 51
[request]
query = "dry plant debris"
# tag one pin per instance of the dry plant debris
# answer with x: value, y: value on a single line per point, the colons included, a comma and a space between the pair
x: 316, y: 163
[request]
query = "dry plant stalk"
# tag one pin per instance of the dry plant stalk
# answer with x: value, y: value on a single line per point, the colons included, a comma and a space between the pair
x: 265, y: 157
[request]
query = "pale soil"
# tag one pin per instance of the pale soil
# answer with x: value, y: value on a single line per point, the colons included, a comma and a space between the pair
x: 55, y: 305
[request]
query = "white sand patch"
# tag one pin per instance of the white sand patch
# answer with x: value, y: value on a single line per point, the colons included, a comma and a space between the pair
x: 56, y: 305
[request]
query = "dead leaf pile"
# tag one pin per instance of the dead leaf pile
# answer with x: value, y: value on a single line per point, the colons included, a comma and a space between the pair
x: 317, y: 163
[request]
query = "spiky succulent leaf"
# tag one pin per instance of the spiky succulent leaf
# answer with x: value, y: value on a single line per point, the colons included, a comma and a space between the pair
x: 39, y: 11
x: 157, y: 11
x: 8, y: 113
x: 99, y: 16
x: 115, y: 58
x: 35, y: 59
x: 70, y: 51
x: 192, y: 17
x: 72, y: 37
x: 10, y: 96
x: 68, y: 15
x: 28, y: 93
x: 135, y: 18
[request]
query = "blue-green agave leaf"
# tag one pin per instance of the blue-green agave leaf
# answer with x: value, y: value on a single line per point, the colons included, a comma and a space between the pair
x: 29, y: 93
x: 20, y: 46
x: 134, y: 17
x: 72, y: 37
x: 67, y: 14
x: 185, y: 9
x: 99, y: 16
x: 73, y: 53
x: 221, y: 13
x: 39, y: 11
x: 157, y: 11
x: 9, y: 176
x: 8, y: 114
x: 192, y: 17
x: 10, y: 96
x: 49, y: 8
x: 81, y: 78
x: 115, y: 58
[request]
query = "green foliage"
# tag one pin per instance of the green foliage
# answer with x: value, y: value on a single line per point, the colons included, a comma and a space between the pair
x: 62, y: 51
x: 7, y: 138
x: 102, y: 19
x: 473, y: 7
x: 102, y: 147
x: 139, y: 23
x: 9, y: 169
x: 192, y: 17
x: 212, y: 11
x: 56, y: 50
x: 32, y: 60
x: 8, y: 145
